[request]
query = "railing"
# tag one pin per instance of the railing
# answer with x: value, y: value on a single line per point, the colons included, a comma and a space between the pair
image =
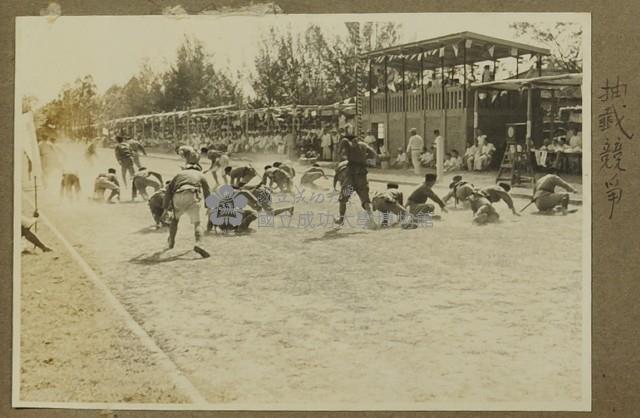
x: 505, y: 101
x: 392, y: 101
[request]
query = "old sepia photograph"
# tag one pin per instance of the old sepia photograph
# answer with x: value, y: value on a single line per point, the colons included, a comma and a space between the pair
x: 262, y: 211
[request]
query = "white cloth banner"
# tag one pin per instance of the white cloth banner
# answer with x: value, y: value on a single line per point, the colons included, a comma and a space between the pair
x: 492, y: 49
x: 468, y: 43
x: 455, y: 49
x: 26, y: 138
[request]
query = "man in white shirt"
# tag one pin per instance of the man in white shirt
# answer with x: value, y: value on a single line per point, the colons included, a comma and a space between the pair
x: 325, y: 144
x: 416, y: 143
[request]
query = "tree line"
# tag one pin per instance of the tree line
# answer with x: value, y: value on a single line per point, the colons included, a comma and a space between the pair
x: 308, y: 67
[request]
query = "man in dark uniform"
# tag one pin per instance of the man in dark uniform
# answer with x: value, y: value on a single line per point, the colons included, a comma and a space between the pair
x: 417, y: 201
x: 357, y: 153
x: 136, y: 149
x: 340, y: 174
x: 184, y: 193
x: 124, y: 157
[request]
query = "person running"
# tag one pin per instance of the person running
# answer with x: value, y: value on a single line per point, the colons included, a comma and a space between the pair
x: 105, y: 182
x: 500, y: 192
x: 311, y: 175
x: 183, y: 196
x: 278, y: 176
x: 483, y: 210
x: 239, y: 176
x: 124, y: 156
x: 70, y: 186
x: 417, y: 201
x: 25, y: 228
x: 356, y: 153
x: 460, y: 190
x: 545, y: 197
x: 156, y: 206
x: 340, y: 174
x: 390, y: 201
x: 136, y: 149
x: 143, y: 179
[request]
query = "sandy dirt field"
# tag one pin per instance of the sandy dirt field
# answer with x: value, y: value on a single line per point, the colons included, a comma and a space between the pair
x: 298, y: 315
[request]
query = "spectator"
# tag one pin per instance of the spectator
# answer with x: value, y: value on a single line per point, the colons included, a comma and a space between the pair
x: 371, y: 141
x: 325, y: 143
x: 335, y: 142
x: 416, y: 143
x: 469, y: 155
x: 453, y: 161
x: 427, y: 158
x: 487, y: 75
x: 401, y: 160
x: 484, y: 154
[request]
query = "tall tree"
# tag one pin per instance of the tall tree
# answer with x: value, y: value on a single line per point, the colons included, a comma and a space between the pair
x: 563, y: 39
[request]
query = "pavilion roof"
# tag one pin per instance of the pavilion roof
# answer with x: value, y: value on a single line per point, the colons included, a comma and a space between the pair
x: 551, y: 82
x: 450, y: 50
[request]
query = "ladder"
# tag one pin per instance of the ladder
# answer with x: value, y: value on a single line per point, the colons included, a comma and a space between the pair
x: 516, y: 166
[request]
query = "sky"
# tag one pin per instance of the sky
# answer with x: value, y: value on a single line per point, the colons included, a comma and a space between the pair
x: 112, y: 48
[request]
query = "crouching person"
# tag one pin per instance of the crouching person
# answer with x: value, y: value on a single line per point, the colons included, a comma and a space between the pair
x: 546, y: 197
x: 483, y: 210
x: 156, y: 206
x: 390, y: 202
x: 417, y: 201
x: 184, y: 193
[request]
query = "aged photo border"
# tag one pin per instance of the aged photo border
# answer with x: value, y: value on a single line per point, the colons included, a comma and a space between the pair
x: 626, y: 272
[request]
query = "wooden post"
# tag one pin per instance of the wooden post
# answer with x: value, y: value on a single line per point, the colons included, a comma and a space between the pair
x: 404, y: 105
x: 422, y: 104
x: 475, y: 114
x: 443, y: 133
x: 386, y: 104
x: 529, y: 114
x: 553, y: 114
x: 539, y: 64
x: 517, y: 64
x: 464, y: 75
x: 370, y: 88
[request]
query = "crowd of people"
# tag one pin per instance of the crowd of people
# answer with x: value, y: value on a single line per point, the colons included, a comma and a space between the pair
x: 189, y: 188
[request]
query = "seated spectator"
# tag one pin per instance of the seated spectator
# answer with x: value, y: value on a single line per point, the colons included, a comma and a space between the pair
x: 469, y: 155
x: 575, y: 141
x: 427, y: 158
x: 484, y: 154
x: 453, y: 161
x: 401, y: 160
